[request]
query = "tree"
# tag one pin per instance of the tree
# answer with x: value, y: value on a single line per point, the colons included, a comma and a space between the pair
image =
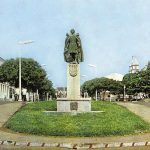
x: 32, y: 74
x: 102, y: 85
x: 132, y: 82
x: 47, y: 88
x: 138, y: 82
x: 145, y: 80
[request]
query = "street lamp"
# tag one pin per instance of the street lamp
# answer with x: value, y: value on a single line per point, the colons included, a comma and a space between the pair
x: 95, y: 68
x: 47, y: 76
x: 124, y: 92
x: 84, y: 75
x: 26, y: 42
x: 22, y: 43
x: 91, y: 65
x: 84, y: 79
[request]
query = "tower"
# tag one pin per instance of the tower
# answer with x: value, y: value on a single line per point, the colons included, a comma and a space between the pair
x: 134, y: 67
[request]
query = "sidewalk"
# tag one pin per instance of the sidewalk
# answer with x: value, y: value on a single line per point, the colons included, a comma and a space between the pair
x: 6, y: 110
x: 140, y: 110
x: 10, y: 136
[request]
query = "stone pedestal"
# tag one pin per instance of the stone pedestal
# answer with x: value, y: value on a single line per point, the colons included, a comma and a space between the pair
x: 73, y: 82
x: 73, y: 102
x: 81, y: 105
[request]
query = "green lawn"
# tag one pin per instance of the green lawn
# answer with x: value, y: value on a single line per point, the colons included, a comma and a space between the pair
x: 116, y: 120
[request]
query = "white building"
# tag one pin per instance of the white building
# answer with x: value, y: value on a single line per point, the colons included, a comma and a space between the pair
x: 115, y: 76
x: 134, y: 67
x: 4, y: 91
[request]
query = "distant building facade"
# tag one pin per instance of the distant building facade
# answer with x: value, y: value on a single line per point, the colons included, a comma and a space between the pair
x: 6, y: 91
x: 61, y: 92
x: 134, y: 67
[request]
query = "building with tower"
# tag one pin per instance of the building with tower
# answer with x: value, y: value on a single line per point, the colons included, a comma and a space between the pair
x: 134, y: 67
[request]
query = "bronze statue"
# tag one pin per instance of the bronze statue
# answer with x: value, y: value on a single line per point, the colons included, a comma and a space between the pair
x: 73, y: 52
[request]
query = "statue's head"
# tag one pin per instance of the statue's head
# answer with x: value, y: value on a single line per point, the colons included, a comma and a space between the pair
x: 72, y: 31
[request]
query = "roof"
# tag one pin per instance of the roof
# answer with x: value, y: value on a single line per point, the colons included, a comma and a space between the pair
x: 134, y: 61
x: 115, y: 76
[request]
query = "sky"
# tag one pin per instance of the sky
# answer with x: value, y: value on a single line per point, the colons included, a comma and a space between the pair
x: 111, y: 31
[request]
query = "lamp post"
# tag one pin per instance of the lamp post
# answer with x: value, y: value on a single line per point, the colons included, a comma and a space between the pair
x: 44, y: 66
x: 84, y: 77
x: 95, y: 68
x: 47, y: 76
x: 124, y: 92
x: 22, y: 43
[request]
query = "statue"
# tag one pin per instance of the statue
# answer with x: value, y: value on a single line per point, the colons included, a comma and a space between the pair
x: 73, y: 55
x: 73, y: 52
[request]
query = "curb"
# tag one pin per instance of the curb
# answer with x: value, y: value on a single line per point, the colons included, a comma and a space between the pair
x: 76, y: 146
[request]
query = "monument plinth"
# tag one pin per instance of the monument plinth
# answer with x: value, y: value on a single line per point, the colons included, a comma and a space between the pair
x: 73, y: 81
x: 73, y: 55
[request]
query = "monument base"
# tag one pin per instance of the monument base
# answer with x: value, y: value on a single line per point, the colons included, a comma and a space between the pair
x: 82, y: 105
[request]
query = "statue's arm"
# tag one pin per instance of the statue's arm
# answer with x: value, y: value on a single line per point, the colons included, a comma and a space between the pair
x: 80, y: 48
x: 67, y: 40
x: 79, y: 41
